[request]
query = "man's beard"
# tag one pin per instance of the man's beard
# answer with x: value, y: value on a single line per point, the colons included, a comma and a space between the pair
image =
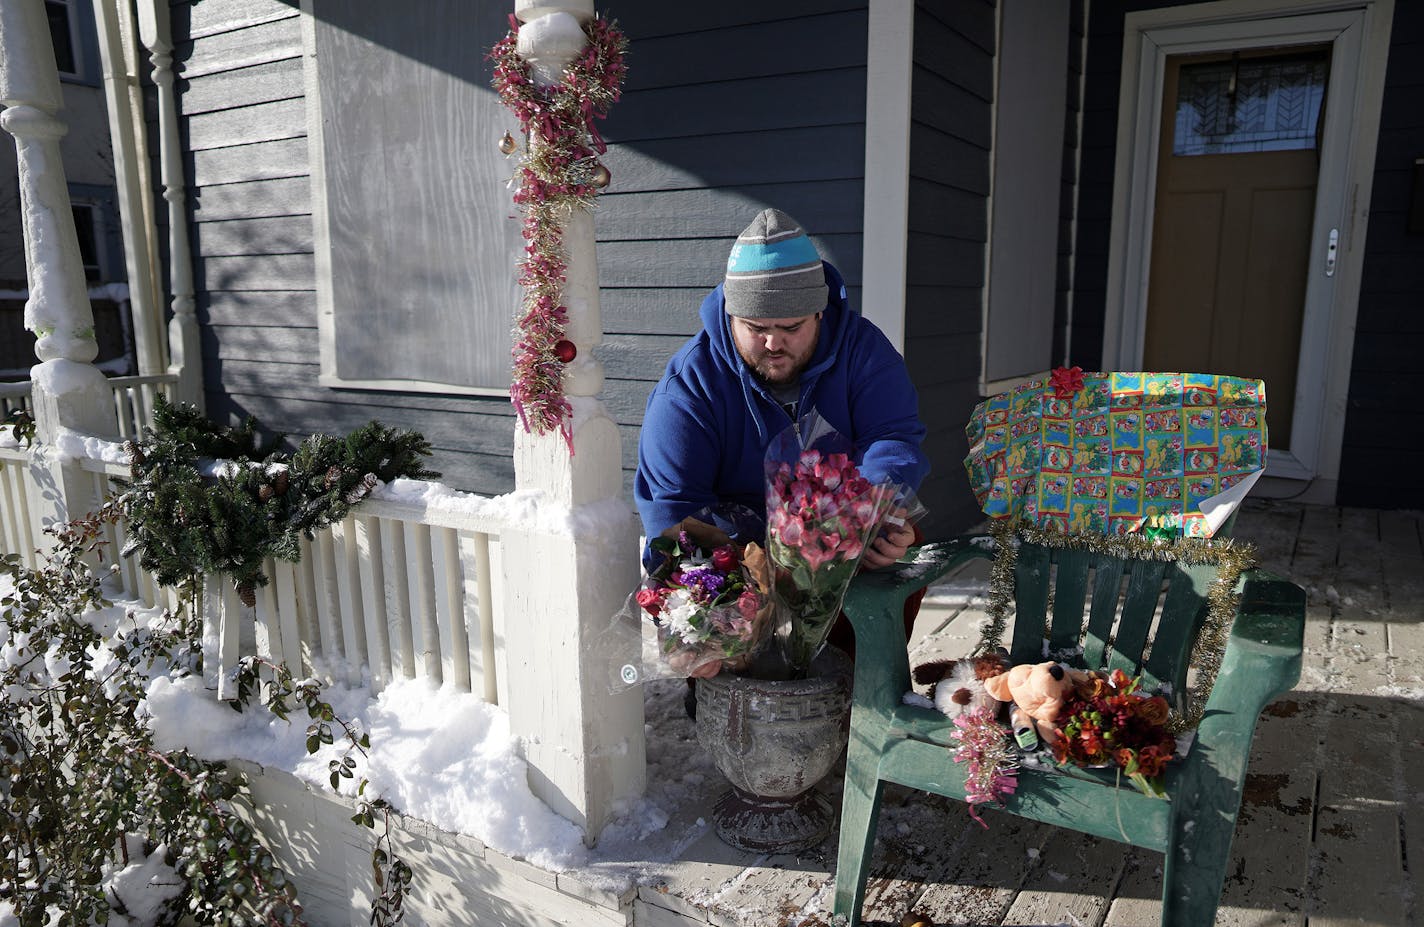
x: 766, y: 375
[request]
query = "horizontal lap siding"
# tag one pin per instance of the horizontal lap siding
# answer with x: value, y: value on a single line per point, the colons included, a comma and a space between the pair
x: 727, y: 109
x: 702, y: 140
x: 951, y: 109
x: 1383, y: 421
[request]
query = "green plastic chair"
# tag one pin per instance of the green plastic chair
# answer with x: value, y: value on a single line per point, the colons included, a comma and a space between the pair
x: 894, y: 742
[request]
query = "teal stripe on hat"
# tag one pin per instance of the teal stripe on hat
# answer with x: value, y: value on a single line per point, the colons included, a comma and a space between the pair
x: 751, y: 258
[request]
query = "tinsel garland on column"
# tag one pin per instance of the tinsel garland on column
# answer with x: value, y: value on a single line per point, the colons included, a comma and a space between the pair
x: 1230, y: 559
x: 558, y: 172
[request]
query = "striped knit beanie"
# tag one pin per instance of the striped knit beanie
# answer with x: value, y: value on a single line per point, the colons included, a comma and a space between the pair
x: 774, y: 271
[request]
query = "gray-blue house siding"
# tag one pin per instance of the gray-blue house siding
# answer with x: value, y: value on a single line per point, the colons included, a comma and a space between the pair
x: 742, y: 105
x: 729, y: 107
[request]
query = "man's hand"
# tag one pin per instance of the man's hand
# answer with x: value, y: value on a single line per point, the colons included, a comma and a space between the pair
x: 889, y: 546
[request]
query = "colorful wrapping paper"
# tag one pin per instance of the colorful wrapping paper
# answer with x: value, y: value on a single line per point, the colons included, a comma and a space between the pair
x: 1110, y: 453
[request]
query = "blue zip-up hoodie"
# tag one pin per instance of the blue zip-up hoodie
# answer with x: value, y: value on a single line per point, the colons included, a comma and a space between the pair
x: 709, y: 420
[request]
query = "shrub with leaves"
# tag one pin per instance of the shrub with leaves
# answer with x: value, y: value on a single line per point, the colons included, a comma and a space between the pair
x: 21, y: 425
x: 279, y: 691
x: 95, y: 818
x: 209, y: 499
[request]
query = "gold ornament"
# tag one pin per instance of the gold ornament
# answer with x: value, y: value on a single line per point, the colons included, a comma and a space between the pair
x: 601, y: 177
x: 507, y: 144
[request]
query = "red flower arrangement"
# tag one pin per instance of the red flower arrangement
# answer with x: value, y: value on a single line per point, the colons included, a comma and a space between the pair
x: 705, y: 604
x: 1110, y: 722
x: 821, y: 514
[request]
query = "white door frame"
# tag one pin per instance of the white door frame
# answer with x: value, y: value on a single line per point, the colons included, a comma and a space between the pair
x: 1359, y: 31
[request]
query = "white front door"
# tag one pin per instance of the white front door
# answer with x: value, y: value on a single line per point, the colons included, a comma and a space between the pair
x: 1302, y: 346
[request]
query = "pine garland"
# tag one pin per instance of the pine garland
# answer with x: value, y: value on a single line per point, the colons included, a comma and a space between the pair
x: 1230, y: 559
x: 185, y: 520
x: 557, y: 174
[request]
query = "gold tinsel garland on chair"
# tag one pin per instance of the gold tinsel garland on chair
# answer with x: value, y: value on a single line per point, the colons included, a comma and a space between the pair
x: 1230, y: 558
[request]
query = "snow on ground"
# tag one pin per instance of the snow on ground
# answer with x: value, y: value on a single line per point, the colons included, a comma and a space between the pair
x: 448, y: 758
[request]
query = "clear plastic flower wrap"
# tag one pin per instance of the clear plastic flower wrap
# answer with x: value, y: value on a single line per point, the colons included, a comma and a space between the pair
x: 703, y: 606
x: 822, y: 514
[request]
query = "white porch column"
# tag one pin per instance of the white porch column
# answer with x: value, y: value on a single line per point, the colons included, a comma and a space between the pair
x: 584, y: 745
x: 69, y: 391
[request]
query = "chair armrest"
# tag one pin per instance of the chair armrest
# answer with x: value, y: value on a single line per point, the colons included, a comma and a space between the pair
x: 875, y: 592
x: 1270, y: 616
x: 1262, y: 660
x: 875, y: 602
x: 1263, y: 653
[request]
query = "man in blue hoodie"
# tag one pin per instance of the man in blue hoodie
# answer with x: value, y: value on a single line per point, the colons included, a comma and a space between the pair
x: 778, y: 340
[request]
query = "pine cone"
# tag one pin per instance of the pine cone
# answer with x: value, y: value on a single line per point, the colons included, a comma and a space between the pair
x: 362, y: 489
x: 265, y: 492
x: 333, y: 475
x: 279, y: 482
x: 136, y: 455
x: 247, y: 594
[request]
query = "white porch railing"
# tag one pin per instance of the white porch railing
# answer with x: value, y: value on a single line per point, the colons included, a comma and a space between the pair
x: 394, y: 590
x: 14, y: 396
x: 397, y: 589
x: 20, y: 531
x: 134, y: 398
x: 19, y: 527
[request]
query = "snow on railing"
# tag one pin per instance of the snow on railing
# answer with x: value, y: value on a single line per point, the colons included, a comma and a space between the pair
x: 133, y: 399
x: 405, y: 586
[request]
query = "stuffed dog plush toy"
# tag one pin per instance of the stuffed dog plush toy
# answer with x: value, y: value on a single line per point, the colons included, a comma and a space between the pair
x: 958, y: 686
x: 1039, y: 690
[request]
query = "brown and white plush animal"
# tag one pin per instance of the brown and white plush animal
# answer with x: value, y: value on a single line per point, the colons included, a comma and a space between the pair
x: 1039, y: 690
x: 959, y: 685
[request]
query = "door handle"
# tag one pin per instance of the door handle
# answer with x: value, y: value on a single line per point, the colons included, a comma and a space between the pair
x: 1332, y: 250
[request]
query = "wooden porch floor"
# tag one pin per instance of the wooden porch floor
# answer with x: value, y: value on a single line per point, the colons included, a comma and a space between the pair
x: 1331, y: 829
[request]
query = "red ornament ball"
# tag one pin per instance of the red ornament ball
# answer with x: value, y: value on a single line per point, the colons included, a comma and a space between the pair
x: 566, y: 351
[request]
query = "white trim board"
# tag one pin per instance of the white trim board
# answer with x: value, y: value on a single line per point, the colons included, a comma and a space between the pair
x: 1359, y: 31
x: 889, y: 65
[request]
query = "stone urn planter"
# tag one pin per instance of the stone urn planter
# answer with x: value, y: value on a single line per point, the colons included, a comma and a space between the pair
x: 774, y: 740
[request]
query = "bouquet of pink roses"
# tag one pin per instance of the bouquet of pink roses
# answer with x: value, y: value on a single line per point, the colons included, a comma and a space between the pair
x: 701, y: 608
x: 821, y: 513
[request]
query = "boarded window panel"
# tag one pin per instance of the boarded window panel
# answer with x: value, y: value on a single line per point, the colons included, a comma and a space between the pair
x: 1029, y: 114
x: 422, y: 246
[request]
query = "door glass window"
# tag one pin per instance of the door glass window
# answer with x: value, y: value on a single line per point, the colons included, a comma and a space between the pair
x: 1255, y: 104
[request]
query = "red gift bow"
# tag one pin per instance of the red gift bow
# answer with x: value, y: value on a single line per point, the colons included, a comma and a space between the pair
x: 1066, y: 381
